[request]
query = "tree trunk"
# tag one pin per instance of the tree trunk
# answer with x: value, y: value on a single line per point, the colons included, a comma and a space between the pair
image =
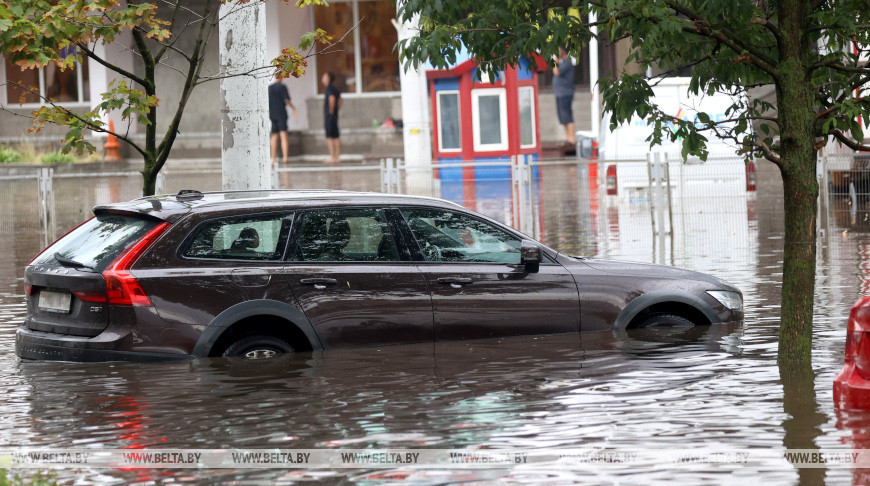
x: 795, y: 103
x: 799, y: 267
x: 149, y: 177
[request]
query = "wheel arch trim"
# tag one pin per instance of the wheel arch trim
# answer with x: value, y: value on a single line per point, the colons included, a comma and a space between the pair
x: 648, y: 299
x: 251, y: 308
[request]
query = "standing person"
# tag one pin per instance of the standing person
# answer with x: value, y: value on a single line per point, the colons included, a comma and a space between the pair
x: 331, y: 105
x: 279, y: 100
x: 563, y: 88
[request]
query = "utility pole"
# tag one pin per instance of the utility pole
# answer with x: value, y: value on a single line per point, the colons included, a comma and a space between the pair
x: 593, y: 77
x: 417, y: 129
x: 245, y: 161
x: 415, y: 105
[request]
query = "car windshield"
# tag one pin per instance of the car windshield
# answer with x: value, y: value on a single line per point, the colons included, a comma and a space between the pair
x: 97, y: 242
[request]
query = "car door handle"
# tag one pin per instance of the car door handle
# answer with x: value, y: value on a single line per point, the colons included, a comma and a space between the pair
x: 455, y: 282
x: 319, y: 283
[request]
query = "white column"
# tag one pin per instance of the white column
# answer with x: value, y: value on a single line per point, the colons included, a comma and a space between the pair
x: 416, y: 117
x: 593, y: 77
x: 244, y: 99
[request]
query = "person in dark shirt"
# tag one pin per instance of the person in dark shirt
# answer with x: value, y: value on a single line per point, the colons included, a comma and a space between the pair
x: 279, y: 100
x: 331, y: 105
x: 563, y: 88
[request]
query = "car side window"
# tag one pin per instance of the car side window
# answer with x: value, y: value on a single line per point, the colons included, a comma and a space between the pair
x: 445, y: 236
x: 345, y: 235
x: 260, y: 237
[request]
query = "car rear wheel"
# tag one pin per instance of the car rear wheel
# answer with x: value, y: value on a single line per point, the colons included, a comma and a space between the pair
x: 258, y: 347
x: 664, y: 320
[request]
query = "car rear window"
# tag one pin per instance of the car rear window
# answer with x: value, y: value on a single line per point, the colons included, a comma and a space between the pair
x: 98, y: 242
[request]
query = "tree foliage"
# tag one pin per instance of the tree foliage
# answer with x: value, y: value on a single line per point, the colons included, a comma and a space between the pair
x: 732, y: 46
x: 36, y: 33
x: 812, y: 53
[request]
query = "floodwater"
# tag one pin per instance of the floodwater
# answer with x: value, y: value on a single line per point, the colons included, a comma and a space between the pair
x: 706, y: 388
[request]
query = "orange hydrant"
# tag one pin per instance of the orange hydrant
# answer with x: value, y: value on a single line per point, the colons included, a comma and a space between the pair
x: 112, y: 145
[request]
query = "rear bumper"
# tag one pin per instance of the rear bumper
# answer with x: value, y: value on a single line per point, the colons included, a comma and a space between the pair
x: 851, y: 390
x: 44, y: 346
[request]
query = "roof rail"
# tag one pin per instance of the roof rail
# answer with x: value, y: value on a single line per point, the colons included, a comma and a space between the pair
x: 188, y: 195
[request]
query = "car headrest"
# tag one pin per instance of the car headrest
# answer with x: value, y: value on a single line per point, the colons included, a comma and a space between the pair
x: 339, y: 233
x: 248, y: 239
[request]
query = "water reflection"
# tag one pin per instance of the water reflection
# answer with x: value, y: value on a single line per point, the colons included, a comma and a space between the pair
x: 556, y: 391
x: 715, y: 387
x: 803, y: 425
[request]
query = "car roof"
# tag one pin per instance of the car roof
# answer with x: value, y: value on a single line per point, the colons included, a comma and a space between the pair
x: 170, y: 207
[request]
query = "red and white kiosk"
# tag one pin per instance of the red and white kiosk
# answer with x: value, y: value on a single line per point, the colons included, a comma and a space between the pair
x: 484, y: 120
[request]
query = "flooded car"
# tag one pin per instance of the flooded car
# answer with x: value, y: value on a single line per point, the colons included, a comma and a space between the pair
x: 257, y: 274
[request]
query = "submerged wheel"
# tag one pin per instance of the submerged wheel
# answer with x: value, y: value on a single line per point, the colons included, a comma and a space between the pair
x: 664, y: 320
x: 258, y: 347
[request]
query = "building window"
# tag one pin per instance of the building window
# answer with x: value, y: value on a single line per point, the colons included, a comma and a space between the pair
x: 364, y: 61
x: 526, y: 96
x: 448, y: 121
x: 67, y: 86
x: 488, y: 115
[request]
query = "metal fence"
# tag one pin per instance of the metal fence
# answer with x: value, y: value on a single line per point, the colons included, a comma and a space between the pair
x: 657, y: 209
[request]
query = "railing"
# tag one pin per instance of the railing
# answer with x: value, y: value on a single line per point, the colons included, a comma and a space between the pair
x: 655, y: 208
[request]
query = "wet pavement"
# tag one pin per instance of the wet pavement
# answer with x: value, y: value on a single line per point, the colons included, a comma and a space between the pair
x: 714, y: 387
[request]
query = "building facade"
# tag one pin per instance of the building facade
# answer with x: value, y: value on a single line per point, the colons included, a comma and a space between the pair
x: 363, y: 59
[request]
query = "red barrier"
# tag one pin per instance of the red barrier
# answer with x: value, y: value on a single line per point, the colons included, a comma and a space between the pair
x: 852, y: 385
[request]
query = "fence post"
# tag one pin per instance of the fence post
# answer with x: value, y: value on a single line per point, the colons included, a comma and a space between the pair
x: 390, y: 179
x: 391, y: 175
x: 385, y: 188
x: 160, y: 183
x: 529, y: 207
x: 398, y: 175
x: 516, y: 195
x: 651, y: 195
x: 823, y: 205
x: 46, y: 205
x: 658, y: 176
x: 670, y: 233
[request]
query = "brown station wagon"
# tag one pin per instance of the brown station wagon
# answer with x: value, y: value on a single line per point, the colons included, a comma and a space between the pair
x: 256, y: 273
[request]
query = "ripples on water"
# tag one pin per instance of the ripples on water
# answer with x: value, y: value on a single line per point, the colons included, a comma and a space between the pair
x: 715, y: 387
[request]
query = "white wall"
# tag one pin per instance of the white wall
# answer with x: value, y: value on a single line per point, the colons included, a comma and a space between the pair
x: 100, y: 76
x: 290, y: 23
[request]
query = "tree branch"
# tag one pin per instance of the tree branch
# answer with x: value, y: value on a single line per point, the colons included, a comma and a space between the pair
x: 732, y: 41
x: 160, y: 53
x: 773, y: 28
x: 845, y: 140
x: 117, y: 69
x: 768, y: 153
x: 833, y: 64
x: 194, y: 67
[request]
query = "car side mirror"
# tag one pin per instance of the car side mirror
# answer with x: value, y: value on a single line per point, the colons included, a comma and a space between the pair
x: 531, y: 255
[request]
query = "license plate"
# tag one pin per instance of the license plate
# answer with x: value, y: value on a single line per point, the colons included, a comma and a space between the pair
x: 54, y: 302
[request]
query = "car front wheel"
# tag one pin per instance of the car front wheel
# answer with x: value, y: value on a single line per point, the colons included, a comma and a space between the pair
x: 258, y: 347
x: 664, y: 320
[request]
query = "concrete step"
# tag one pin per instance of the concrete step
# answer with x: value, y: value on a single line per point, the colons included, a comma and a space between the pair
x: 366, y: 142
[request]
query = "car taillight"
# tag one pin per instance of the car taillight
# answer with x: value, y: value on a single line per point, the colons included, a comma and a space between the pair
x: 90, y: 295
x: 750, y: 176
x: 122, y: 288
x: 55, y: 241
x: 610, y: 180
x: 28, y: 289
x: 594, y: 150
